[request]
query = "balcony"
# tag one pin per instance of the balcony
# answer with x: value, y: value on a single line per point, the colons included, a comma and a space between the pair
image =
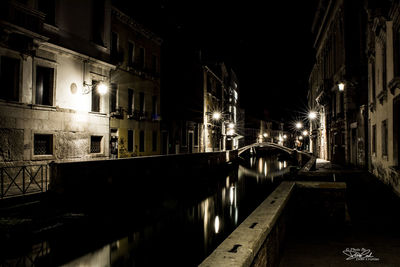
x: 118, y: 113
x: 137, y: 115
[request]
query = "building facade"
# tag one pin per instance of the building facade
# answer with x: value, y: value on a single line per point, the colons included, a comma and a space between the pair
x: 338, y: 83
x: 135, y: 88
x: 204, y: 110
x: 53, y: 68
x: 384, y: 89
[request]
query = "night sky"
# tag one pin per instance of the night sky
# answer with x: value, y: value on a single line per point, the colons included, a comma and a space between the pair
x: 268, y: 44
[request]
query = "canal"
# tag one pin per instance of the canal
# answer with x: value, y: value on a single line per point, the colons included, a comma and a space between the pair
x: 180, y: 226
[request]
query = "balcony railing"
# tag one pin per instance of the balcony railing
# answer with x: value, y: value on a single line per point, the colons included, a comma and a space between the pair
x: 23, y: 180
x: 137, y: 115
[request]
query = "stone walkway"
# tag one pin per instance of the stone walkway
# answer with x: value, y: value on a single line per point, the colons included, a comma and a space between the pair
x: 372, y: 226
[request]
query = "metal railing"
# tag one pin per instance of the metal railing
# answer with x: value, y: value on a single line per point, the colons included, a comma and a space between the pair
x: 23, y: 180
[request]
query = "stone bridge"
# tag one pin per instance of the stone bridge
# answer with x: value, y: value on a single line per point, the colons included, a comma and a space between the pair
x: 252, y: 148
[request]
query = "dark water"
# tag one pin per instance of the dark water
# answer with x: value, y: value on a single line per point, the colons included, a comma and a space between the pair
x: 188, y: 227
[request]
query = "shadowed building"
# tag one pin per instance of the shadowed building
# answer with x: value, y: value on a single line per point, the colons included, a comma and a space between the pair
x: 338, y: 83
x: 135, y: 88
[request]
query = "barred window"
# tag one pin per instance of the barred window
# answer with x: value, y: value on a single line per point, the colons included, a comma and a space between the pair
x: 95, y: 144
x: 43, y: 144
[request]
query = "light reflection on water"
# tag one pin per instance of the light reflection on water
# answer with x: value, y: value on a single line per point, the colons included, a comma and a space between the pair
x: 177, y: 240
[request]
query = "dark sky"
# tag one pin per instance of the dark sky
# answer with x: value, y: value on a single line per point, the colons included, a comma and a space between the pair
x: 267, y: 43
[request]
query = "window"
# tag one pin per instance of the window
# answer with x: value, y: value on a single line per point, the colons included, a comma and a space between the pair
x: 95, y: 98
x: 130, y: 101
x: 384, y: 138
x: 141, y: 102
x: 141, y: 141
x: 396, y: 52
x: 374, y: 139
x: 98, y: 12
x: 154, y: 63
x: 141, y: 58
x: 9, y: 78
x: 154, y: 107
x: 184, y: 133
x: 341, y: 103
x: 113, y: 98
x: 196, y: 135
x: 95, y: 144
x: 334, y: 105
x: 114, y: 44
x: 49, y: 8
x: 373, y: 82
x: 130, y: 140
x: 131, y: 53
x: 44, y: 86
x: 154, y: 141
x: 43, y: 144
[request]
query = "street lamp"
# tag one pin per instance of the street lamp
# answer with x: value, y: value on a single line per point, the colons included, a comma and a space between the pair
x: 305, y: 133
x: 312, y: 115
x: 299, y: 125
x: 265, y: 135
x: 216, y: 115
x: 341, y: 86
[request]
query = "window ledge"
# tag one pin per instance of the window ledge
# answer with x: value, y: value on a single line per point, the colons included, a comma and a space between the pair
x: 43, y: 107
x: 51, y: 28
x: 43, y: 157
x: 98, y: 113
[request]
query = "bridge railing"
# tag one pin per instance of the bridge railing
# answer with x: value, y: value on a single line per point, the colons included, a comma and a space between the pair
x: 23, y: 180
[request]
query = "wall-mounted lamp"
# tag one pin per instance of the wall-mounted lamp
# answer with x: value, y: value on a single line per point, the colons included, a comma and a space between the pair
x: 101, y: 88
x: 341, y: 86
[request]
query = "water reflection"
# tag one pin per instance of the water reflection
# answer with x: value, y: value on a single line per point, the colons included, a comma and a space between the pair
x: 195, y: 230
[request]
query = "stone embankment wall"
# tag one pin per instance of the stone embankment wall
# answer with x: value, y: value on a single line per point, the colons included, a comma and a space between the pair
x: 258, y: 241
x: 100, y: 178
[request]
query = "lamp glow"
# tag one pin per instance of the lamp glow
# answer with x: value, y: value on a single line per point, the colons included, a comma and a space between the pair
x: 216, y: 115
x: 305, y: 133
x: 265, y: 135
x: 299, y: 125
x: 312, y: 115
x: 102, y: 88
x: 341, y: 87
